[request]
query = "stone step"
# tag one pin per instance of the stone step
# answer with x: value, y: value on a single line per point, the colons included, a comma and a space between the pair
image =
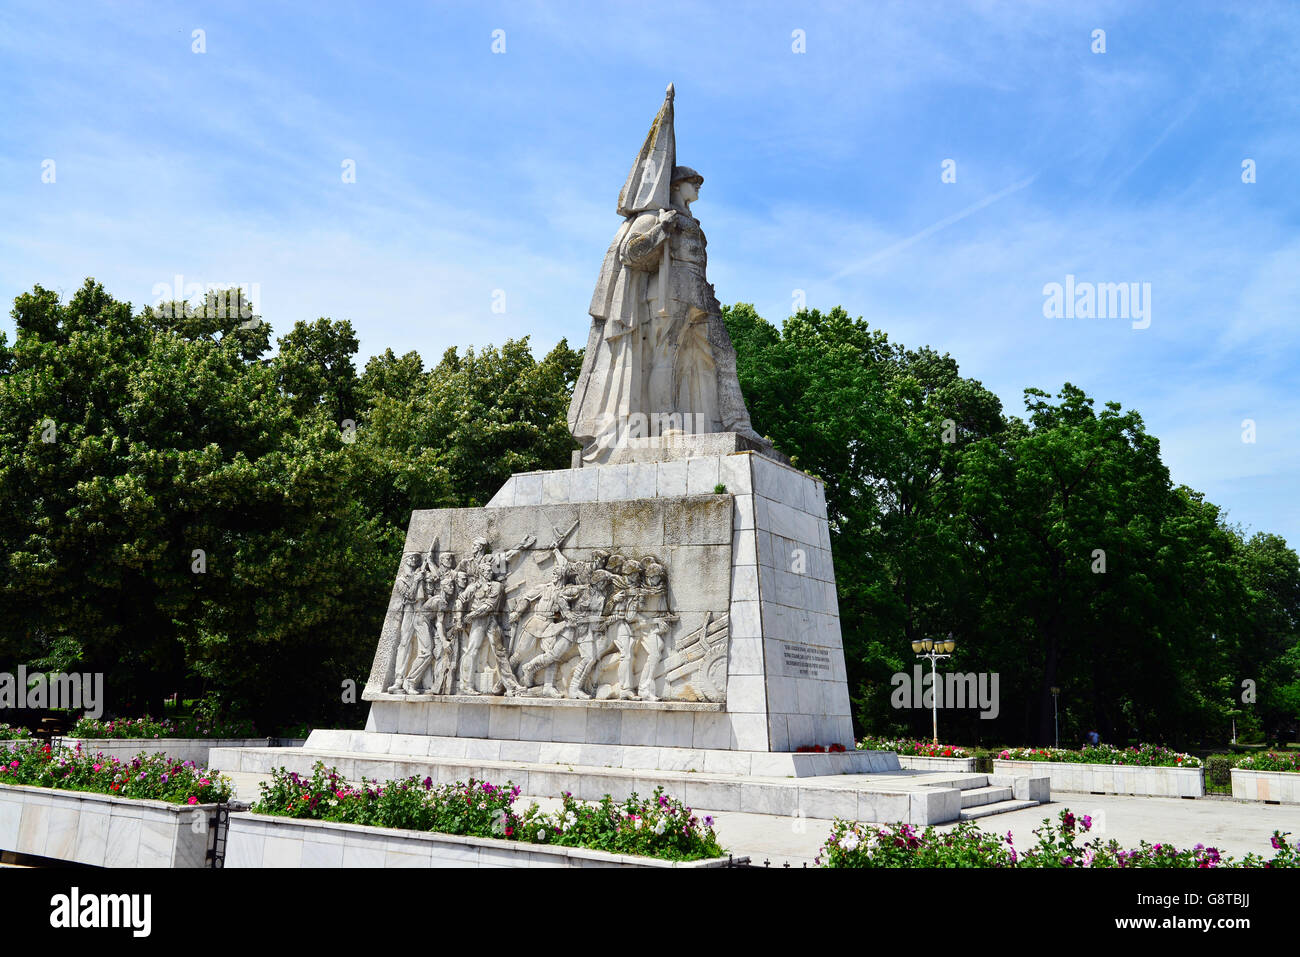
x: 1000, y: 807
x: 965, y: 781
x: 975, y: 797
x: 906, y: 796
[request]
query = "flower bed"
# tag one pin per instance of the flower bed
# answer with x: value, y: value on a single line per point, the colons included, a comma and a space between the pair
x: 658, y: 826
x: 1287, y: 762
x: 189, y: 727
x: 1143, y: 755
x: 1111, y: 778
x: 853, y: 844
x: 149, y: 811
x: 150, y: 777
x: 910, y: 748
x: 9, y: 733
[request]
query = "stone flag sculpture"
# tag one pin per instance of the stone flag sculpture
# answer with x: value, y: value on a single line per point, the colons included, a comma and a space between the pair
x: 658, y: 360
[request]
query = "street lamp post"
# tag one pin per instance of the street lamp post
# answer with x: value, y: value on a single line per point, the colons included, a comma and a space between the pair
x: 933, y: 649
x: 1056, y: 718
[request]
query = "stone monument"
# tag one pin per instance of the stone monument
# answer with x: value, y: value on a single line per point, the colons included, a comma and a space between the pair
x: 665, y: 605
x: 674, y: 588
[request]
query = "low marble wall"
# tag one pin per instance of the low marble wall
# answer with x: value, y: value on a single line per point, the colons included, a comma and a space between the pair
x: 1112, y: 778
x: 179, y: 749
x: 922, y: 763
x: 750, y: 763
x: 103, y: 830
x: 1280, y: 786
x: 256, y: 840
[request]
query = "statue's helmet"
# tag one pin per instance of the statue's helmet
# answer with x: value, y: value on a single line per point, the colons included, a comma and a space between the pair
x: 682, y: 174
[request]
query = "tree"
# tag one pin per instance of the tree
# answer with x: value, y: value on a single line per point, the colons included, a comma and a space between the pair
x: 883, y: 426
x: 172, y: 505
x: 1055, y: 548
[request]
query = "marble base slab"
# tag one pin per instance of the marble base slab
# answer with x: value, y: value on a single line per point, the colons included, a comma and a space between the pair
x: 630, y: 757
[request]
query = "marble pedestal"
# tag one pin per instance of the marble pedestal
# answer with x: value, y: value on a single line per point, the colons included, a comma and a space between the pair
x: 745, y: 536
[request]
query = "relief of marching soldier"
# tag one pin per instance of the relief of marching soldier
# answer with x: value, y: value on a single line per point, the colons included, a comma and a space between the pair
x: 597, y: 627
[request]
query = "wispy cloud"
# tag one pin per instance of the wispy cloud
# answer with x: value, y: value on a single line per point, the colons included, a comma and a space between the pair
x: 478, y: 172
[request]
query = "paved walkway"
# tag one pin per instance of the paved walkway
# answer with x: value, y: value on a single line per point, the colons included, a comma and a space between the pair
x: 1234, y: 827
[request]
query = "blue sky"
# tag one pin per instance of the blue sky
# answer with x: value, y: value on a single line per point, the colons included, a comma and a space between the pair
x: 478, y: 172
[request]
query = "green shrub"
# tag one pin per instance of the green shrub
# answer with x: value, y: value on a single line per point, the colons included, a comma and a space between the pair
x: 1218, y: 772
x: 192, y: 726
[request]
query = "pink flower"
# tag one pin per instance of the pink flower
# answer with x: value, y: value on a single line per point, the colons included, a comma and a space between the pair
x: 192, y: 800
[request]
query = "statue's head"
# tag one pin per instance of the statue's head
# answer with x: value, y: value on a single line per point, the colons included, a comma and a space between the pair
x: 462, y: 579
x: 654, y: 573
x: 686, y: 185
x: 446, y: 560
x: 480, y: 545
x: 632, y: 570
x: 413, y: 559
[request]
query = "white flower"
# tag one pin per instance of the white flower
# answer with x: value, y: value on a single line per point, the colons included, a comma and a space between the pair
x: 849, y: 841
x: 661, y: 825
